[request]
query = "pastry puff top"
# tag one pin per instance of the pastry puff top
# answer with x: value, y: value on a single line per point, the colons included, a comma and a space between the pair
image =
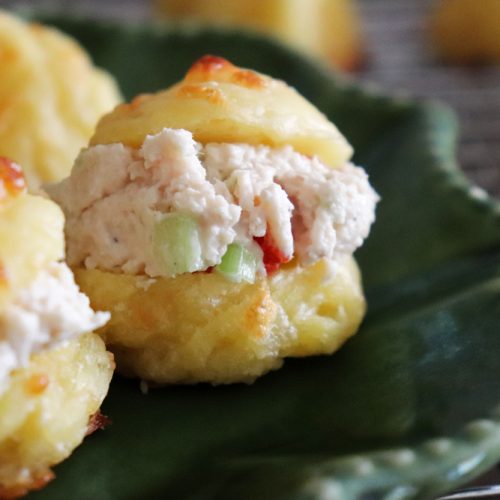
x: 219, y: 102
x: 51, y: 95
x: 31, y: 232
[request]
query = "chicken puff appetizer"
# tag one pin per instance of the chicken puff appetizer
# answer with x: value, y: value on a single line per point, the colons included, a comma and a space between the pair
x: 53, y: 373
x: 216, y: 220
x: 51, y: 97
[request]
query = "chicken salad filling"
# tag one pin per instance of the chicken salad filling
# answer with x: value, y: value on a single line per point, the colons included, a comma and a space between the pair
x: 175, y: 206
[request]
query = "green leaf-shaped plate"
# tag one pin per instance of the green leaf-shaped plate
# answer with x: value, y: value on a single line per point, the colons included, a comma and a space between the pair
x: 408, y: 408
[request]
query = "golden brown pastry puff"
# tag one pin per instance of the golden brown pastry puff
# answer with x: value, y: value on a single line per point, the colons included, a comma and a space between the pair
x: 53, y: 373
x: 216, y: 220
x: 51, y: 97
x: 467, y: 31
x: 327, y: 28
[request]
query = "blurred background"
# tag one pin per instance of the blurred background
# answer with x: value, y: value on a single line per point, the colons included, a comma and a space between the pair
x: 440, y: 49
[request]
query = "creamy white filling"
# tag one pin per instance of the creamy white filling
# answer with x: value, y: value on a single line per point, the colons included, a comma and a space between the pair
x: 43, y: 315
x: 116, y: 195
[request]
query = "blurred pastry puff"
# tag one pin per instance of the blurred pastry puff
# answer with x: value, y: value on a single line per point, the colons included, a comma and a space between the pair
x: 51, y: 97
x: 53, y: 374
x: 330, y: 29
x: 216, y: 221
x: 467, y: 31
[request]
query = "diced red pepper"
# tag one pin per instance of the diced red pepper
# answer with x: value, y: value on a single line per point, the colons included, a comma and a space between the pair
x: 273, y: 256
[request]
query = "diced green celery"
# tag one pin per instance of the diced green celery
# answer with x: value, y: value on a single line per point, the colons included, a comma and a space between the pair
x: 238, y: 264
x: 177, y: 244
